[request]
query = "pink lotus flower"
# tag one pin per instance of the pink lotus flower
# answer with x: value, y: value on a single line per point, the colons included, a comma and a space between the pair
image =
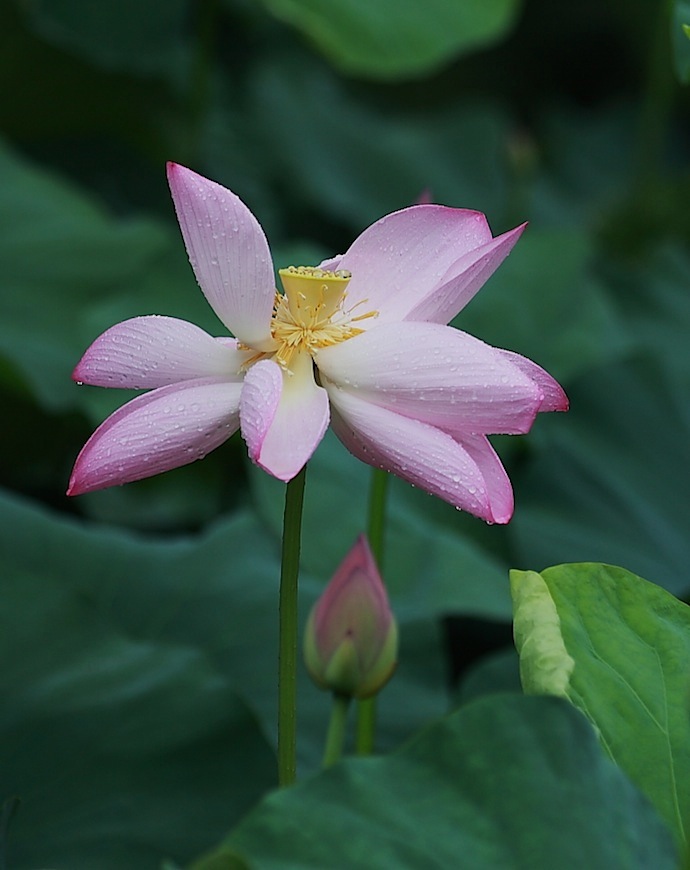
x: 351, y: 637
x: 360, y: 341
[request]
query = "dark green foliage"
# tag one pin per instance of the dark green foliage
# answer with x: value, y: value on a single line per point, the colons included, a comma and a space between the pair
x: 137, y: 625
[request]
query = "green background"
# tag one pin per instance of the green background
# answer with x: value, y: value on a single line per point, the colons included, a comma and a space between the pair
x: 138, y: 625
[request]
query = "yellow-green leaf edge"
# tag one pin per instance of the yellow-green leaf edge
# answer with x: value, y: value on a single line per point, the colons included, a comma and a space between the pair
x: 545, y: 665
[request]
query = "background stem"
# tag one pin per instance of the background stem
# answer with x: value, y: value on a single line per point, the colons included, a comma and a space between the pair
x: 366, y: 709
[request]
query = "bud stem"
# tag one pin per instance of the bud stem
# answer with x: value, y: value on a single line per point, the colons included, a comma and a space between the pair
x: 287, y: 655
x: 366, y: 709
x: 335, y: 737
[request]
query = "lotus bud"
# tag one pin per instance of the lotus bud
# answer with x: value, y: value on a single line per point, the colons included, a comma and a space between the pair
x: 351, y: 638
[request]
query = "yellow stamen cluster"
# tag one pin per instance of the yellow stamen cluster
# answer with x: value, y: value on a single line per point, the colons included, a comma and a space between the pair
x: 311, y: 313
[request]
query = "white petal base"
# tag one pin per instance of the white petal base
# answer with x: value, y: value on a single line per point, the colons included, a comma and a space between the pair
x: 299, y: 417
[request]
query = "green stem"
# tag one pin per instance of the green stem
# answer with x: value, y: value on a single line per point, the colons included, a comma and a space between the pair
x: 366, y: 726
x: 366, y: 709
x: 335, y: 738
x: 287, y: 657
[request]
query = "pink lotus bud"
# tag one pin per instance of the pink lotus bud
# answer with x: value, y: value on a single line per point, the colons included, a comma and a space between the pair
x: 351, y: 638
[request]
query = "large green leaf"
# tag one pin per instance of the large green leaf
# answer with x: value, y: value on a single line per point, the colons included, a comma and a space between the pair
x: 216, y: 593
x: 122, y: 747
x: 609, y: 484
x: 618, y: 647
x: 390, y: 39
x: 506, y: 783
x: 496, y: 672
x: 231, y: 609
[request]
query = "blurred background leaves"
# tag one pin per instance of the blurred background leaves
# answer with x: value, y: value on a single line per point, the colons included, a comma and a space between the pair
x: 392, y: 40
x: 138, y: 624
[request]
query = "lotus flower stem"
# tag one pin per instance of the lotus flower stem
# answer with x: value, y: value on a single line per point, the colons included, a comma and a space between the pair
x: 366, y: 709
x: 287, y: 656
x: 335, y: 738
